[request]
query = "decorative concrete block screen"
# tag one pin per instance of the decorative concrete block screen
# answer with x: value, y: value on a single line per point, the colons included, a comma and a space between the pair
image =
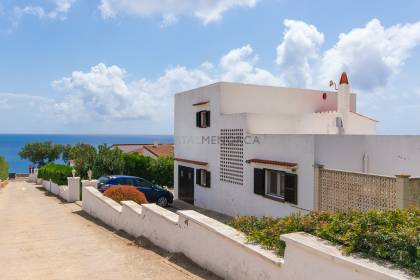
x: 343, y: 191
x: 232, y: 156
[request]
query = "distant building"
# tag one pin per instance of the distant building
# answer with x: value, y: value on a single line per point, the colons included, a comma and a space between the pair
x: 154, y: 150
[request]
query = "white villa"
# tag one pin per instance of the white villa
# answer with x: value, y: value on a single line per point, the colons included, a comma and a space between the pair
x: 251, y: 150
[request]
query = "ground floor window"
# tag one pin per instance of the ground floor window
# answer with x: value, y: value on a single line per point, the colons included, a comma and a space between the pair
x: 274, y: 183
x: 279, y: 185
x: 203, y: 178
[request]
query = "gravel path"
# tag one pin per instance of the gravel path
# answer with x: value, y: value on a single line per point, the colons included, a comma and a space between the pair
x: 42, y: 237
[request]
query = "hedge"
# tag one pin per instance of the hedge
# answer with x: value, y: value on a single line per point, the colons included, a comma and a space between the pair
x: 159, y: 171
x: 393, y: 236
x: 57, y: 173
x: 4, y: 169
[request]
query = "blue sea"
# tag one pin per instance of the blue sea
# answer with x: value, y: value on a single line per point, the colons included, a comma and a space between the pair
x: 11, y: 144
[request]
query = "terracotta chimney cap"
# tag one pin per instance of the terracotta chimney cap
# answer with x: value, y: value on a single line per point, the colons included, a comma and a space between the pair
x: 344, y: 79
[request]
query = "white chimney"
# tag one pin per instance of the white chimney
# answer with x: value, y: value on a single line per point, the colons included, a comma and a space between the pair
x: 343, y: 102
x: 343, y: 98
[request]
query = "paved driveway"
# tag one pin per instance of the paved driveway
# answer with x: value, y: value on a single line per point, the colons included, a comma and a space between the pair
x: 42, y: 237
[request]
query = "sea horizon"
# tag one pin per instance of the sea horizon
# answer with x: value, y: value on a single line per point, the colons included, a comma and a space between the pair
x: 12, y: 143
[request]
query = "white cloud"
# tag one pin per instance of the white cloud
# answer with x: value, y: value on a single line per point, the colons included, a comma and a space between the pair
x: 238, y: 65
x: 372, y: 55
x: 106, y: 93
x: 59, y: 11
x: 206, y: 10
x: 12, y: 101
x: 300, y: 44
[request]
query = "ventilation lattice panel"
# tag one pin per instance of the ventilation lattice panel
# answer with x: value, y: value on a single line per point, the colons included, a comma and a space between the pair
x: 232, y: 156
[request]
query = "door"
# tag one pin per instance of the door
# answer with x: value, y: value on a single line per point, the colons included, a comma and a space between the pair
x: 147, y: 188
x: 186, y: 184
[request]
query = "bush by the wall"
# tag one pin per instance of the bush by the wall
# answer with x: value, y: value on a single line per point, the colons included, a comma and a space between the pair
x: 137, y: 165
x: 83, y: 156
x: 57, y: 173
x: 122, y: 193
x: 390, y: 235
x: 4, y: 169
x: 159, y: 171
x: 108, y: 161
x: 163, y: 171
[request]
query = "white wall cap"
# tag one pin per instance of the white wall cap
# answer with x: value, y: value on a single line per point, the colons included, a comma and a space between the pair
x: 327, y: 250
x: 230, y: 234
x: 162, y: 212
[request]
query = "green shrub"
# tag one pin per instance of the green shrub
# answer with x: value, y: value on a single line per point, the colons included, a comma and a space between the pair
x: 108, y: 161
x: 163, y: 171
x: 137, y: 165
x: 123, y: 193
x: 4, y: 169
x: 83, y: 156
x: 57, y: 173
x: 159, y: 171
x: 388, y: 235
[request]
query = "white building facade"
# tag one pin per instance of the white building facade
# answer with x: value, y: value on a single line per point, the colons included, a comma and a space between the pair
x: 251, y: 150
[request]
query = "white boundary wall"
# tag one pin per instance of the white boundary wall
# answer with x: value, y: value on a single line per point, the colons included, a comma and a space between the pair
x: 224, y: 251
x: 70, y: 193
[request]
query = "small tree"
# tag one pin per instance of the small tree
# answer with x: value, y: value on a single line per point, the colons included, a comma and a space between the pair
x: 4, y: 169
x: 84, y: 157
x: 137, y: 165
x: 41, y: 153
x: 108, y: 161
x: 163, y: 171
x: 66, y: 153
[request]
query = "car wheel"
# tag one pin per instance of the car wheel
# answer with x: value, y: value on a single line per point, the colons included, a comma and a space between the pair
x: 162, y: 201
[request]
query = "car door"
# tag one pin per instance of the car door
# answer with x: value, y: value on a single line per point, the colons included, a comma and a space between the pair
x: 147, y: 188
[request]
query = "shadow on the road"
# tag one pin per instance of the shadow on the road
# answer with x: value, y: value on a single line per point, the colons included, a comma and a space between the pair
x: 178, y: 259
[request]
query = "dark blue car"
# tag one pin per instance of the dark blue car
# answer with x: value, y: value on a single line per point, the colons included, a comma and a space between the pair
x: 153, y: 193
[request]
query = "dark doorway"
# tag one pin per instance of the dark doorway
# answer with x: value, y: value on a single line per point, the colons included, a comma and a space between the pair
x: 186, y: 184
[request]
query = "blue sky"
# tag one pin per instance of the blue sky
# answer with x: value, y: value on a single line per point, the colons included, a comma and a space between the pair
x: 109, y: 66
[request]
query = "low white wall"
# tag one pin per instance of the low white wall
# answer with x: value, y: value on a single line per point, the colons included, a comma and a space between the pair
x: 90, y: 183
x: 69, y: 193
x: 308, y: 257
x: 46, y: 185
x: 33, y: 176
x: 74, y: 189
x: 101, y: 207
x: 223, y: 250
